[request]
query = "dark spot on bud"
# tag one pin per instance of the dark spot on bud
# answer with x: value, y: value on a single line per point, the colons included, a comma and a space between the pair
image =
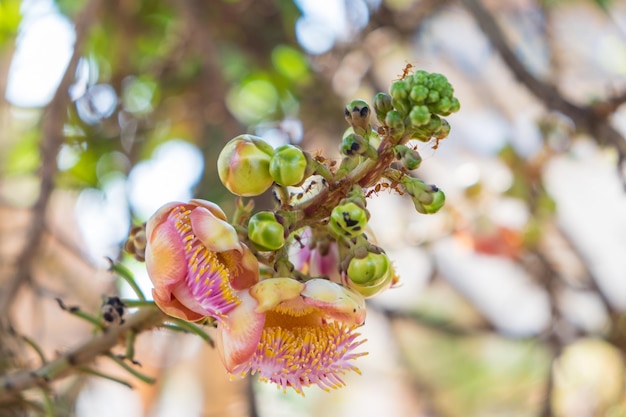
x: 347, y: 112
x: 365, y: 111
x: 348, y: 220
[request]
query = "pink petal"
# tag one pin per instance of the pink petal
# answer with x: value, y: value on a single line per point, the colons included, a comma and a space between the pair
x: 212, y: 207
x: 165, y: 258
x: 336, y: 301
x: 239, y: 334
x: 216, y: 234
x: 247, y: 272
x: 160, y: 216
x: 174, y: 308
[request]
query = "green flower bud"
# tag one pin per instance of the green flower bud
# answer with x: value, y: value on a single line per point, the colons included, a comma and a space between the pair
x: 433, y: 97
x: 243, y: 165
x: 427, y: 198
x: 353, y: 144
x: 434, y: 124
x: 288, y: 165
x: 443, y: 131
x: 358, y: 116
x: 395, y: 123
x: 400, y: 90
x: 348, y: 220
x: 418, y: 94
x: 402, y: 105
x: 455, y: 105
x: 382, y: 105
x: 410, y: 158
x: 419, y: 115
x: 420, y: 77
x: 370, y: 270
x: 376, y: 286
x: 265, y: 232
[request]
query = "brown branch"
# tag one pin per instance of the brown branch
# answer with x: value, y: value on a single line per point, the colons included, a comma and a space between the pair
x: 52, y: 139
x: 12, y: 386
x: 592, y: 119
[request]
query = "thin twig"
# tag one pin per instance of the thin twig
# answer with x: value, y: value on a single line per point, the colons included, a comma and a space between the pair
x: 12, y: 386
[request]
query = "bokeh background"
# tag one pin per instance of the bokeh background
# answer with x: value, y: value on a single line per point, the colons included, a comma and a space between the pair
x: 512, y: 297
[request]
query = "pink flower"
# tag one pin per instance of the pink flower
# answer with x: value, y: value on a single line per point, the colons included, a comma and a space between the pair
x: 293, y: 334
x: 196, y: 261
x: 319, y: 256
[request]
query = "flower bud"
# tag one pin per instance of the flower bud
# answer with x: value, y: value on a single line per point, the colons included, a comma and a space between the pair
x: 288, y: 165
x: 369, y: 270
x: 394, y: 122
x: 348, y: 219
x: 410, y: 158
x: 418, y: 94
x: 358, y: 116
x: 419, y: 115
x: 137, y: 242
x: 427, y: 198
x: 402, y: 105
x: 382, y: 105
x: 374, y: 287
x: 265, y: 232
x: 353, y: 144
x: 243, y: 165
x: 400, y: 90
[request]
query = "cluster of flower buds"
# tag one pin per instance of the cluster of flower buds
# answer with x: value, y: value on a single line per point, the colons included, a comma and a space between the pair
x: 287, y: 286
x: 414, y: 107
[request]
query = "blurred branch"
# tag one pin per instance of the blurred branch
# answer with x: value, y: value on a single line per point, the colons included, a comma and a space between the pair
x: 592, y: 119
x: 439, y: 325
x: 52, y: 138
x: 11, y: 386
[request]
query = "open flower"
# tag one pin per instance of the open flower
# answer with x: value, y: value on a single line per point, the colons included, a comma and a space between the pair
x: 293, y: 334
x: 196, y: 261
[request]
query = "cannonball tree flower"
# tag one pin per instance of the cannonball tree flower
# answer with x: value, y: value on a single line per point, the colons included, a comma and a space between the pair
x: 196, y: 261
x: 294, y: 334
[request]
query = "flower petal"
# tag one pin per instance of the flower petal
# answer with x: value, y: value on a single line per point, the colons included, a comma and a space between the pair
x: 165, y: 258
x: 336, y: 301
x: 246, y: 271
x: 271, y: 292
x: 238, y: 335
x: 212, y: 207
x: 175, y: 308
x: 216, y: 234
x: 160, y: 217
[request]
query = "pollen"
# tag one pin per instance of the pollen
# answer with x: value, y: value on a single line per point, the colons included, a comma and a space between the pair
x: 298, y: 357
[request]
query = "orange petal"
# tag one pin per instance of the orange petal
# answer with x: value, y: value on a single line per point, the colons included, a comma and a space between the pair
x: 216, y: 234
x: 239, y: 334
x: 336, y: 301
